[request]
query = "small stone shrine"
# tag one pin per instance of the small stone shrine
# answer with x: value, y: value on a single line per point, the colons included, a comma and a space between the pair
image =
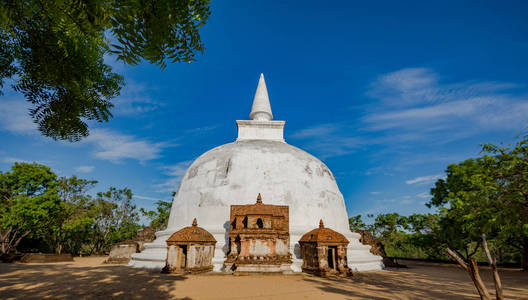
x: 259, y: 238
x: 324, y: 252
x: 190, y: 250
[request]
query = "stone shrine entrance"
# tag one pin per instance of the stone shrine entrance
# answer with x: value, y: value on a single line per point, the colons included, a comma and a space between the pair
x: 259, y: 238
x: 332, y: 257
x: 190, y: 250
x: 323, y: 251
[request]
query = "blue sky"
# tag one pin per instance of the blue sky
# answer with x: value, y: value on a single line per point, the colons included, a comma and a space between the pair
x: 387, y: 94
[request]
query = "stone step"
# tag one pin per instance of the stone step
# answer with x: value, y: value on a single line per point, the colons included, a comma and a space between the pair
x: 364, y: 259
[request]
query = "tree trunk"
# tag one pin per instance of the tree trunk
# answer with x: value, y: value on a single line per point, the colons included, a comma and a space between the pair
x: 482, y: 290
x: 15, y: 244
x: 4, y: 238
x: 493, y: 265
x: 472, y: 269
x: 525, y: 254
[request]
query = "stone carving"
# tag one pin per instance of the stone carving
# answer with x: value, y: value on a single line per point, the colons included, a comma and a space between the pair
x: 259, y: 238
x: 190, y: 250
x: 324, y: 252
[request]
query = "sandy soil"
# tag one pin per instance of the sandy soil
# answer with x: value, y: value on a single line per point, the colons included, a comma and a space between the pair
x: 88, y: 278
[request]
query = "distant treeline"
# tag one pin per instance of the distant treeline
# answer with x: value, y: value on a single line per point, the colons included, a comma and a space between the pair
x: 485, y: 195
x: 41, y: 212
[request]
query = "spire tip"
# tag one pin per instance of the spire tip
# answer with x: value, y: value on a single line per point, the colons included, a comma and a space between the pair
x: 261, y: 109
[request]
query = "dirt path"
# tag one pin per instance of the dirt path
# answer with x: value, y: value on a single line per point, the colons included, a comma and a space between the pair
x: 87, y: 278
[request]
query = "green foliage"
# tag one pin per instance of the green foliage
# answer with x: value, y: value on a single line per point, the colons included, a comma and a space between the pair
x: 159, y: 218
x: 388, y: 224
x: 356, y: 223
x: 466, y: 201
x: 44, y: 213
x: 484, y: 195
x: 28, y: 203
x: 115, y: 219
x: 71, y: 225
x: 54, y: 50
x: 403, y: 236
x: 510, y: 210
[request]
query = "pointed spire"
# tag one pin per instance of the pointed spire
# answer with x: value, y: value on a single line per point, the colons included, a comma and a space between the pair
x: 259, y: 199
x: 195, y: 223
x: 261, y: 109
x: 321, y: 224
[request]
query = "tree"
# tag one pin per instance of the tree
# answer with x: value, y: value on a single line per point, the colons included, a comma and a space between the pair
x: 422, y: 223
x: 115, y: 220
x: 70, y: 227
x: 388, y: 224
x: 159, y: 218
x: 510, y: 169
x: 356, y: 223
x: 53, y: 51
x: 28, y: 202
x: 487, y: 195
x: 467, y: 203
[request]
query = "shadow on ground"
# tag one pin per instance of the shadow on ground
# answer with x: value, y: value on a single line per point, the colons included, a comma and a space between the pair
x: 87, y: 278
x: 422, y: 281
x: 39, y: 281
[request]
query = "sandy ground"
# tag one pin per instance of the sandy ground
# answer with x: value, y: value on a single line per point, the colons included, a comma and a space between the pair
x: 87, y: 278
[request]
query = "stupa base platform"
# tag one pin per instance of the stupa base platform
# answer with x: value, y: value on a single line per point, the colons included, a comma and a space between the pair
x: 154, y: 256
x: 258, y: 268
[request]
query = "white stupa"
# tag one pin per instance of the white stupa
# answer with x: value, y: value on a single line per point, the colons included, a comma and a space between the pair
x: 259, y: 161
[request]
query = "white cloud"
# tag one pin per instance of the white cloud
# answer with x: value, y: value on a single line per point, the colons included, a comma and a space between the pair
x: 149, y: 198
x: 84, y: 169
x: 375, y: 193
x: 316, y: 131
x: 413, y: 106
x: 405, y: 86
x: 424, y: 195
x: 115, y: 146
x: 175, y: 173
x: 482, y: 112
x: 406, y: 201
x: 14, y: 117
x: 411, y: 86
x: 134, y: 100
x: 415, y: 99
x: 110, y: 145
x: 329, y: 139
x: 199, y: 130
x: 424, y: 179
x: 12, y: 160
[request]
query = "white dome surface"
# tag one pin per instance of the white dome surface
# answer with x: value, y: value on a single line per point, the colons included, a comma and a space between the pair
x: 235, y: 173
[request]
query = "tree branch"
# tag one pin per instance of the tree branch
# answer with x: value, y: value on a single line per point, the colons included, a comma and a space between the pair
x: 493, y: 264
x: 460, y: 261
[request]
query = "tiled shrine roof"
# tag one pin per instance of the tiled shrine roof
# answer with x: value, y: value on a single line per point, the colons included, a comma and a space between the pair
x: 323, y: 235
x: 191, y: 234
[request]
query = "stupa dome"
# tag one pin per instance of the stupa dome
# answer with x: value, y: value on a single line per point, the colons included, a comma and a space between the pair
x: 234, y: 173
x: 259, y: 161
